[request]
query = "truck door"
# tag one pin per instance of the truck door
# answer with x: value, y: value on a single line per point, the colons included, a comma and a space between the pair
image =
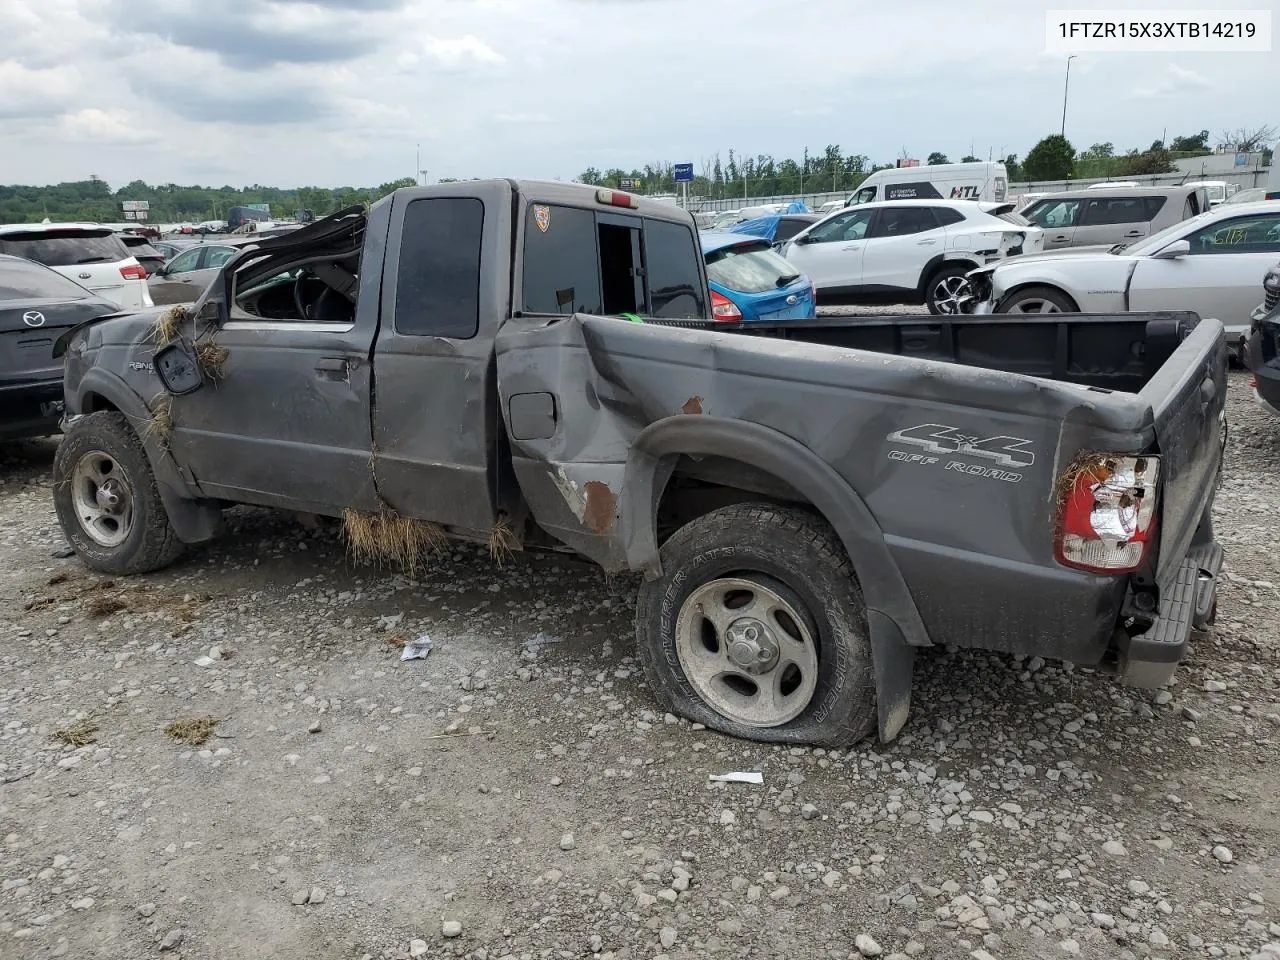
x: 285, y: 421
x: 445, y: 289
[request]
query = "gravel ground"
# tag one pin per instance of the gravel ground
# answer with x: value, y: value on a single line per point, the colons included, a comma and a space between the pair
x: 516, y: 794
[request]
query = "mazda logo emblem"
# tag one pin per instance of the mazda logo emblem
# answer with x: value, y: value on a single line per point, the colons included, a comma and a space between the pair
x: 33, y: 319
x: 793, y: 300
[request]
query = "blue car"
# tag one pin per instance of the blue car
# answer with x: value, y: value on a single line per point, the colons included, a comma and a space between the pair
x: 750, y: 282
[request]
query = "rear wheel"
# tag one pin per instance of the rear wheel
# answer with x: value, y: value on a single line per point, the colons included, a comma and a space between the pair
x: 1038, y: 300
x: 757, y: 628
x: 950, y: 292
x: 107, y: 500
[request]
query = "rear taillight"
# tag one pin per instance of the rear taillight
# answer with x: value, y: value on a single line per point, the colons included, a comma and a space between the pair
x: 135, y: 272
x: 1107, y: 513
x: 722, y: 308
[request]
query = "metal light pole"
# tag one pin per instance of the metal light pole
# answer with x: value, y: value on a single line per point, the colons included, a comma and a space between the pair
x: 1065, y: 86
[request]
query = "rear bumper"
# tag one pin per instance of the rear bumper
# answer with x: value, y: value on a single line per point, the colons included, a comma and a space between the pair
x: 30, y: 410
x: 1266, y: 375
x: 1150, y: 659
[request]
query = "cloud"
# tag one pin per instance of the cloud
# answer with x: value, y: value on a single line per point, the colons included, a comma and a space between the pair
x: 453, y: 54
x: 1175, y: 80
x: 27, y: 92
x: 254, y: 34
x: 104, y: 127
x: 248, y: 109
x: 334, y: 92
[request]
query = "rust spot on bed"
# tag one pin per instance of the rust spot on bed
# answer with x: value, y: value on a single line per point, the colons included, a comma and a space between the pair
x: 692, y: 406
x: 601, y: 506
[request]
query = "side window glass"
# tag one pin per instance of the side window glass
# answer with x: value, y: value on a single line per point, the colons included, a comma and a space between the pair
x: 865, y: 195
x: 676, y: 287
x: 216, y: 256
x: 186, y: 261
x: 438, y: 286
x: 946, y: 216
x: 561, y: 262
x: 904, y: 221
x: 1116, y: 210
x: 1154, y: 206
x: 1258, y: 234
x: 1055, y: 214
x: 832, y: 230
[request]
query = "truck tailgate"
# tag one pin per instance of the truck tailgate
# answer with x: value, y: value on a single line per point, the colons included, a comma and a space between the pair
x: 1188, y: 398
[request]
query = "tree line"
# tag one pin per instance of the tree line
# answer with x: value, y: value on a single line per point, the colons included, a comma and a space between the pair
x: 93, y: 200
x: 831, y: 171
x: 738, y: 176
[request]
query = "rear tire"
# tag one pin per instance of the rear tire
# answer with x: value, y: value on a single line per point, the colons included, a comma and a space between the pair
x: 107, y: 500
x: 757, y: 628
x: 949, y: 291
x: 1037, y: 300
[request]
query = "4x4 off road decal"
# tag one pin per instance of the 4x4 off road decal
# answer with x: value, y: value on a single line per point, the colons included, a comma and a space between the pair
x: 995, y: 458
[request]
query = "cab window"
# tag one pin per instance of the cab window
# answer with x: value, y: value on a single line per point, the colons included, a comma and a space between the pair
x: 610, y: 263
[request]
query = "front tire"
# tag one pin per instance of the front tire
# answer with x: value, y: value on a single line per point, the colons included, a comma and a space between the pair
x: 950, y: 292
x: 107, y: 500
x: 757, y: 628
x: 1036, y: 300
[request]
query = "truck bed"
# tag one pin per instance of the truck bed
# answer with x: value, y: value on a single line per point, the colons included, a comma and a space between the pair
x: 955, y: 446
x: 1111, y: 352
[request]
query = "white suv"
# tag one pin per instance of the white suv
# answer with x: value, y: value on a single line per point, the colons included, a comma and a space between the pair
x: 909, y: 251
x: 91, y: 255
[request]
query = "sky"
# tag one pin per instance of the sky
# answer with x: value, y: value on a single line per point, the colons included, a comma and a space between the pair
x: 346, y: 92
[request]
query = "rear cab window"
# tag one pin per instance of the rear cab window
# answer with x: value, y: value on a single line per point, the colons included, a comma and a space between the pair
x: 578, y: 260
x: 65, y: 248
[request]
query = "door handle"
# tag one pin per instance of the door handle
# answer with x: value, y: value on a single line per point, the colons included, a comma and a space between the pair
x: 332, y: 368
x: 1061, y: 236
x: 1134, y: 233
x: 852, y: 246
x: 925, y: 243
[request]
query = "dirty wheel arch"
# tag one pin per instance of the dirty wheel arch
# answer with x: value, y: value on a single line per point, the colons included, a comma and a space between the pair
x: 149, y: 543
x: 779, y: 559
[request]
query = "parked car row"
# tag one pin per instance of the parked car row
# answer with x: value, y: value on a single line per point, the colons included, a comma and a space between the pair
x: 1210, y: 263
x: 37, y: 305
x: 909, y: 251
x: 1081, y: 218
x: 92, y: 255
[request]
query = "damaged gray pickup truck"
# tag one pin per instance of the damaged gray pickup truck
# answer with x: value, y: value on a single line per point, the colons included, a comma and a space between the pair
x: 808, y: 503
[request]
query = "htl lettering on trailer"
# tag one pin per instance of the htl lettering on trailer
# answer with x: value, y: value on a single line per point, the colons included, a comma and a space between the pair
x: 943, y: 444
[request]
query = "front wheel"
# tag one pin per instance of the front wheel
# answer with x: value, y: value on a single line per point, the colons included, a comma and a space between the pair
x: 757, y: 628
x: 950, y: 291
x: 107, y: 501
x: 1038, y: 300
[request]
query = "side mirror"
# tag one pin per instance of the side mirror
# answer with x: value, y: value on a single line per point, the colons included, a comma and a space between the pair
x: 1179, y: 248
x: 161, y: 270
x: 177, y: 367
x: 211, y: 312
